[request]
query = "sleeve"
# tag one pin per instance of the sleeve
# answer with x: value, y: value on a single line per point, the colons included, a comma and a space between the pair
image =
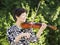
x: 33, y: 37
x: 10, y: 35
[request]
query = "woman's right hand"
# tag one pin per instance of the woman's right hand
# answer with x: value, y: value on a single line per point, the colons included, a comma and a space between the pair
x: 27, y: 35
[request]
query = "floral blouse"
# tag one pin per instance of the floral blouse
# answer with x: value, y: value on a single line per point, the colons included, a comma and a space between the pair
x: 14, y: 31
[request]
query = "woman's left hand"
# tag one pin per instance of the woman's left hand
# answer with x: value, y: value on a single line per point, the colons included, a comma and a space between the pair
x: 43, y: 26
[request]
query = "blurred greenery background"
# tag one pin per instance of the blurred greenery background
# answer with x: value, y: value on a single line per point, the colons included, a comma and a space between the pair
x: 48, y: 12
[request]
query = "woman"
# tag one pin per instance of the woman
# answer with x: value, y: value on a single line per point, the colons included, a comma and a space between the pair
x: 19, y: 36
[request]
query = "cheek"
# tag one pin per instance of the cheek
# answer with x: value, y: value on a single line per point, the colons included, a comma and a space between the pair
x: 22, y: 18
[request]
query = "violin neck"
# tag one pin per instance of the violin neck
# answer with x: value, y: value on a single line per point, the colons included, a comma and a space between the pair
x: 52, y: 27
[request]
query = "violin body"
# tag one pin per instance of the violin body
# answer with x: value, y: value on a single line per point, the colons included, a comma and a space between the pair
x: 28, y: 25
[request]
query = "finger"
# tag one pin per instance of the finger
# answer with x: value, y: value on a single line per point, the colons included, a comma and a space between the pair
x: 43, y: 24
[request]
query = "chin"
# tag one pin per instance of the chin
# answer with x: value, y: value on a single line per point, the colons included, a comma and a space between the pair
x: 23, y: 21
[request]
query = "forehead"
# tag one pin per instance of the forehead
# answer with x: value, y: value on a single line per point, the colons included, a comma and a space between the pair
x: 23, y: 14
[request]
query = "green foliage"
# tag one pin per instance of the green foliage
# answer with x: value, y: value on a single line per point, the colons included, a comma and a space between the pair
x: 49, y: 13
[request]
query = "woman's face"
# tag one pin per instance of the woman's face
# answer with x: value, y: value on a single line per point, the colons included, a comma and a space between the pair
x: 22, y: 17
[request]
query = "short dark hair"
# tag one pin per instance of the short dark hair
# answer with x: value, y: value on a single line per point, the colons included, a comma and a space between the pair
x: 18, y: 12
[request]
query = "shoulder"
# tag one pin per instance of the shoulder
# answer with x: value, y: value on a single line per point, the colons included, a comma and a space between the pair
x: 11, y: 28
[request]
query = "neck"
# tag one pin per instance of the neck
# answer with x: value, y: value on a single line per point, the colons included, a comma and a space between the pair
x: 18, y: 23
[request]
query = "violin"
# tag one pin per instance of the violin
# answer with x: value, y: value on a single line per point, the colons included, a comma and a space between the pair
x: 36, y: 25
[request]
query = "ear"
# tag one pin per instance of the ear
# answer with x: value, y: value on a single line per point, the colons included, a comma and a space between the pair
x: 16, y: 16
